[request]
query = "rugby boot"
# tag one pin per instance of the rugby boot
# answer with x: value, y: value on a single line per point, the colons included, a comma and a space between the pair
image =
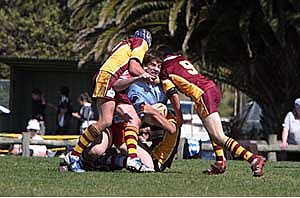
x: 74, y: 163
x: 217, y: 168
x: 136, y: 165
x: 159, y: 167
x: 257, y: 166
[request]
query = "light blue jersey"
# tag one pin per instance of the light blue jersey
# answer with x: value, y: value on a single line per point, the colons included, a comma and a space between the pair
x: 143, y: 92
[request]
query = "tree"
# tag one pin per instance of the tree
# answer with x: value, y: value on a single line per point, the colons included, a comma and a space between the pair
x: 252, y: 45
x: 35, y: 29
x: 261, y: 50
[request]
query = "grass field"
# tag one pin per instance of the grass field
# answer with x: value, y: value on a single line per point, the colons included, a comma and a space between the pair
x: 39, y: 177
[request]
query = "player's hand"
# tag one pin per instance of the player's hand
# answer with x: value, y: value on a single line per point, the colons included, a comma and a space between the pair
x: 147, y: 77
x: 125, y: 117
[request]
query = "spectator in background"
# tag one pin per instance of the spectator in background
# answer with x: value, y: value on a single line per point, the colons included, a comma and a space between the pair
x: 64, y: 112
x: 85, y: 115
x: 38, y: 108
x: 291, y: 126
x: 35, y: 150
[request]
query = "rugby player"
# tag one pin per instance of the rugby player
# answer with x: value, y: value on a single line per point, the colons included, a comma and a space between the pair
x: 127, y: 55
x: 108, y: 152
x: 148, y: 99
x: 178, y: 72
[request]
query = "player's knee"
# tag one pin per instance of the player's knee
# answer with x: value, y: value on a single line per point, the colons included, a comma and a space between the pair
x: 136, y: 122
x: 219, y: 139
x: 102, y: 124
x: 98, y: 150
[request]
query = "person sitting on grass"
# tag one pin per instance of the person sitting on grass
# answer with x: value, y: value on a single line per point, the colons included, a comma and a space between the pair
x: 35, y: 150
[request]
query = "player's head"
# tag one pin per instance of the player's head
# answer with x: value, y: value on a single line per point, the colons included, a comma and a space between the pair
x: 145, y: 34
x: 152, y: 62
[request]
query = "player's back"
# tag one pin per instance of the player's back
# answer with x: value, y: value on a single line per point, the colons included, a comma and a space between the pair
x: 117, y: 62
x: 182, y: 71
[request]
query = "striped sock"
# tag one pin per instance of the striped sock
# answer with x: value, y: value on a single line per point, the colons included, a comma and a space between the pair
x: 238, y: 151
x: 130, y: 136
x: 218, y: 151
x: 85, y: 139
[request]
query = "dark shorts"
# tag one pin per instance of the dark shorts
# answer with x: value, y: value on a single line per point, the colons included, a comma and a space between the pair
x: 122, y: 98
x: 117, y: 131
x: 103, y: 88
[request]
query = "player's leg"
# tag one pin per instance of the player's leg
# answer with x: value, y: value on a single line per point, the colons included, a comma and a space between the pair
x: 204, y: 107
x: 214, y: 126
x: 106, y: 106
x: 99, y: 146
x: 118, y: 132
x: 143, y: 155
x: 219, y: 167
x: 164, y: 152
x: 131, y: 131
x: 212, y: 122
x: 96, y: 155
x: 105, y: 109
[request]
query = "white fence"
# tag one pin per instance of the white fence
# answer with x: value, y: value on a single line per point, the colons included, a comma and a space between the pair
x: 270, y: 147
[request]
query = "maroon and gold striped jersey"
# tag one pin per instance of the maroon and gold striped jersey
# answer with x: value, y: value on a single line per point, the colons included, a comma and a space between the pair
x: 178, y: 72
x: 132, y: 48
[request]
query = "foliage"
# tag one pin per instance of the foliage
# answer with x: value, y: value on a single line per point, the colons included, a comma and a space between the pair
x: 226, y: 108
x: 4, y: 71
x: 36, y: 29
x: 261, y: 48
x: 117, y: 23
x: 39, y: 177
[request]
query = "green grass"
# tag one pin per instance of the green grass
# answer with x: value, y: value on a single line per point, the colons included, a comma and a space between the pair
x: 39, y: 177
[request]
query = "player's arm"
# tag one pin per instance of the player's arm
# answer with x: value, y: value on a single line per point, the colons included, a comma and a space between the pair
x: 175, y: 101
x: 122, y: 84
x: 173, y: 95
x: 155, y: 118
x: 135, y: 69
x: 139, y: 49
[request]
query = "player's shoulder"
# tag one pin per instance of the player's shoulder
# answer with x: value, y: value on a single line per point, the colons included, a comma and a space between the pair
x: 135, y: 42
x: 174, y: 58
